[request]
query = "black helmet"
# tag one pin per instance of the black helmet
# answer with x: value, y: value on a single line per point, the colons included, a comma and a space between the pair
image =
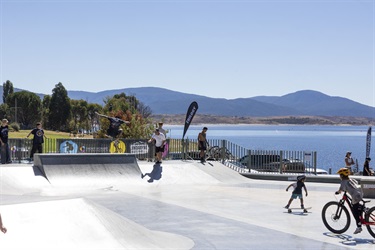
x: 301, y: 177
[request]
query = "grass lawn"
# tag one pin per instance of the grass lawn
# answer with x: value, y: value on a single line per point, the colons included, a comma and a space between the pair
x: 50, y: 134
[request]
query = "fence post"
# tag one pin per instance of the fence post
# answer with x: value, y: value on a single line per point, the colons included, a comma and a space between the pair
x: 223, y: 150
x: 185, y: 146
x: 314, y: 153
x: 248, y: 163
x: 281, y: 162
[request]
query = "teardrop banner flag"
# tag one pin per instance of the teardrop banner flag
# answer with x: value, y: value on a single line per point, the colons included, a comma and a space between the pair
x: 189, y: 116
x: 368, y: 142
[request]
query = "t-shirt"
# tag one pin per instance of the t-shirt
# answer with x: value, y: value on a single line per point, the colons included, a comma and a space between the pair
x: 158, y: 139
x: 4, y: 130
x: 161, y: 130
x: 351, y: 186
x: 114, y: 126
x: 366, y: 169
x: 38, y: 136
x: 298, y: 187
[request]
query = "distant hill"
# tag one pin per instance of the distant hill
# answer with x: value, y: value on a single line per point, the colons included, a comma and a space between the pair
x: 300, y: 103
x: 305, y: 102
x: 318, y: 104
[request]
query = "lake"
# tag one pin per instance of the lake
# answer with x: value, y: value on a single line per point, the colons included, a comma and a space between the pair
x: 330, y: 142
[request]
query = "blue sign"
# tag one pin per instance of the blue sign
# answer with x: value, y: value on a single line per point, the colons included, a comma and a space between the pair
x: 68, y: 147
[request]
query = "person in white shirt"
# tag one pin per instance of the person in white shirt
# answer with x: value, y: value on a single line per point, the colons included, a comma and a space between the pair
x: 349, y: 161
x: 162, y: 130
x: 159, y: 139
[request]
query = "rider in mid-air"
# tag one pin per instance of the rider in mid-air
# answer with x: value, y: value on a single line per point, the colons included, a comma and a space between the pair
x: 114, y: 125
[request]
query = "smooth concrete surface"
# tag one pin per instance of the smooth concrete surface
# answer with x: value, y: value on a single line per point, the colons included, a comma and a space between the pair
x: 192, y: 206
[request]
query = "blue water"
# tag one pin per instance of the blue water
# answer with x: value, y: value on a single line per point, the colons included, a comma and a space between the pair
x: 330, y: 142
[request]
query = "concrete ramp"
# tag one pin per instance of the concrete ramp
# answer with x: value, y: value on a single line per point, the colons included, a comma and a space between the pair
x: 79, y: 224
x: 88, y: 169
x: 193, y: 172
x: 20, y: 179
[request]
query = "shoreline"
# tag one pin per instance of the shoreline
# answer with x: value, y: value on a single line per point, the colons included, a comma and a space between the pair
x: 179, y: 119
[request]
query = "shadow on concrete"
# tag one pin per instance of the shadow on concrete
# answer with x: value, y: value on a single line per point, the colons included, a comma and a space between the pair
x: 155, y: 173
x: 349, y: 240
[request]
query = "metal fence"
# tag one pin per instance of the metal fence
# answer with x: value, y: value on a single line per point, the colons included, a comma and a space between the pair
x: 232, y: 155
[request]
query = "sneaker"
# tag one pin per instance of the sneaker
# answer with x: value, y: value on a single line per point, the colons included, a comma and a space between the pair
x: 302, y: 207
x: 150, y: 180
x: 358, y: 230
x: 142, y: 176
x: 287, y: 206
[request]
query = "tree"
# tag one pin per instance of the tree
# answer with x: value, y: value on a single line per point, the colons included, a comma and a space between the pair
x: 79, y: 114
x: 59, y: 108
x: 119, y: 102
x: 93, y: 118
x: 45, y: 111
x: 27, y: 107
x: 7, y: 89
x: 126, y: 107
x: 144, y: 110
x: 4, y: 110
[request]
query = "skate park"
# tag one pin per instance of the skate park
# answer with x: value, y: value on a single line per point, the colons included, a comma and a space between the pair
x: 100, y: 201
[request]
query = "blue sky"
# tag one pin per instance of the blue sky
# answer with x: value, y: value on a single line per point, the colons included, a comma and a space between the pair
x: 223, y: 49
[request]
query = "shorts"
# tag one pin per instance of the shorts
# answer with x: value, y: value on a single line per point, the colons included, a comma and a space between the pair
x: 202, y: 145
x: 159, y: 149
x: 296, y: 196
x: 113, y: 133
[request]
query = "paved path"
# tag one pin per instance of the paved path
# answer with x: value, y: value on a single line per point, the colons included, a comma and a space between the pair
x: 192, y: 206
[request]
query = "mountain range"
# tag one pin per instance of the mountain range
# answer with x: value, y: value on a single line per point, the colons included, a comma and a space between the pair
x: 305, y: 102
x: 300, y: 103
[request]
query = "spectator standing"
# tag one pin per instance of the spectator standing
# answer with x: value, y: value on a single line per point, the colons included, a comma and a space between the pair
x: 38, y: 140
x: 5, y: 150
x: 202, y: 144
x: 349, y: 161
x: 366, y: 167
x: 162, y: 130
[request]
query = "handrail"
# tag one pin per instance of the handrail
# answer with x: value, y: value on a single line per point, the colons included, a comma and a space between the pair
x: 234, y: 156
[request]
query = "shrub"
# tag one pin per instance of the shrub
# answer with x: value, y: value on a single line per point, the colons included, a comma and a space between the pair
x: 14, y: 127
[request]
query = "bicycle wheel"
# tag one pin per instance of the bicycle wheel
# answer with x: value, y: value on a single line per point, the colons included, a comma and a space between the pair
x: 213, y: 153
x: 223, y: 154
x: 370, y: 218
x: 335, y: 217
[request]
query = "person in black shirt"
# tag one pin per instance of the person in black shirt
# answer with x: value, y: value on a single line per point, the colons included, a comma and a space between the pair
x: 366, y: 167
x: 297, y: 192
x: 38, y: 140
x: 5, y: 151
x: 202, y: 144
x: 114, y: 125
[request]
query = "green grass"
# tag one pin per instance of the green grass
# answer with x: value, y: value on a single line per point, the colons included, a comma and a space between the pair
x: 48, y: 133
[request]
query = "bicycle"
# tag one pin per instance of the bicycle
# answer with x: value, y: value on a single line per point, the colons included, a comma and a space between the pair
x: 216, y: 153
x: 336, y: 217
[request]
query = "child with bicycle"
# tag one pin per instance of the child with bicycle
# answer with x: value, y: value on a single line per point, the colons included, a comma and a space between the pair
x: 351, y: 186
x: 297, y: 192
